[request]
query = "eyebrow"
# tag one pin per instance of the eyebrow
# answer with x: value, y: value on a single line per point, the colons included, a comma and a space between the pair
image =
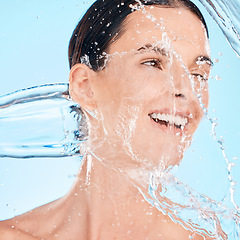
x: 161, y: 51
x: 204, y: 59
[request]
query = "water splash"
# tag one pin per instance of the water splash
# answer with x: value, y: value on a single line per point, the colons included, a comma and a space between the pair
x: 222, y: 14
x: 229, y: 164
x: 226, y: 15
x: 191, y: 209
x: 40, y: 122
x: 63, y: 138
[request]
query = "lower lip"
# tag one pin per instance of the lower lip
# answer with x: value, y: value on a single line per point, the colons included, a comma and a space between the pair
x: 170, y: 128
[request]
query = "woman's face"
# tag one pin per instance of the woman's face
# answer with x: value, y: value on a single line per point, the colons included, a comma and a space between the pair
x: 150, y: 92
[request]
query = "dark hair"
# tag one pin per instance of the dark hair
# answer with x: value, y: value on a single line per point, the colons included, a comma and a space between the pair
x: 102, y: 24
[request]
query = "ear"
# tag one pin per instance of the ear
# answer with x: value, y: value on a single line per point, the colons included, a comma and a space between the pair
x: 80, y: 86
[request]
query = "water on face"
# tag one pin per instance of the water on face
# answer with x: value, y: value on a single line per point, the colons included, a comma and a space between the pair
x: 201, y: 193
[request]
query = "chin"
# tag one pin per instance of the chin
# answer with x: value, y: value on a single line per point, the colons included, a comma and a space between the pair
x: 170, y: 160
x: 164, y: 157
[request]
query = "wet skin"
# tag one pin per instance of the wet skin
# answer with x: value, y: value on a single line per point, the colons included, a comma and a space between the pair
x: 156, y: 74
x: 153, y: 70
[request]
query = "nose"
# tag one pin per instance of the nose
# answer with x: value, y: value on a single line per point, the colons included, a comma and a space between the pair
x: 181, y: 82
x: 179, y: 95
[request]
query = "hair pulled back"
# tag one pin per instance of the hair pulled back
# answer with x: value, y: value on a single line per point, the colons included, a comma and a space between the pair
x: 103, y: 23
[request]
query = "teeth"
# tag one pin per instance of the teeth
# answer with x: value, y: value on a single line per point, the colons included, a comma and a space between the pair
x: 170, y: 119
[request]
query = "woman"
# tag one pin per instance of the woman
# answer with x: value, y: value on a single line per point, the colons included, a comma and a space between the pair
x: 139, y: 70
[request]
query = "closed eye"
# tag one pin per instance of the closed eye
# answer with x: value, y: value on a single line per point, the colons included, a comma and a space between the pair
x: 153, y: 63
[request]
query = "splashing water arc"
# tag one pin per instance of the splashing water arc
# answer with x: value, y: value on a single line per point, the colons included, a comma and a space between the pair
x: 42, y: 122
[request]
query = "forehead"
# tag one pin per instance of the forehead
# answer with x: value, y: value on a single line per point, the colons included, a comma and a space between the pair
x: 153, y: 24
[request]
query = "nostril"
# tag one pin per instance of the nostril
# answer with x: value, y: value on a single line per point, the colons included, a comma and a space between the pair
x: 179, y: 95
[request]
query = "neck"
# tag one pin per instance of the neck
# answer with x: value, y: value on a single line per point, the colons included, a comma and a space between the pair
x: 105, y: 195
x: 114, y: 181
x: 106, y: 201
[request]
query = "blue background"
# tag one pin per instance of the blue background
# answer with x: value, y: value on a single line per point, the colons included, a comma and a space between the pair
x: 34, y: 40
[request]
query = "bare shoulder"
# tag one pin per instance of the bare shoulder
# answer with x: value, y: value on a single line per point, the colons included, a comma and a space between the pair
x: 31, y: 225
x: 8, y: 232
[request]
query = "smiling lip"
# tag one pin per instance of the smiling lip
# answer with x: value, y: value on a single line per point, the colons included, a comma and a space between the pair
x: 169, y: 122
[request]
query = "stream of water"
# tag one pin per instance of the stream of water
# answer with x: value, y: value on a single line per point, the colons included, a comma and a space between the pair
x: 43, y: 122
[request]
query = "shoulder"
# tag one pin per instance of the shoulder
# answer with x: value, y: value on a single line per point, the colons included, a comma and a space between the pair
x: 8, y: 232
x: 23, y: 226
x: 5, y: 231
x: 35, y: 224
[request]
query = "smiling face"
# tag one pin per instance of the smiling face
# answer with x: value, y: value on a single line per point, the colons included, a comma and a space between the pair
x: 147, y: 92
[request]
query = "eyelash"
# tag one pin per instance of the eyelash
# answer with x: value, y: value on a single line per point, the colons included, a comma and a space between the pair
x: 153, y: 63
x: 157, y: 64
x: 200, y: 76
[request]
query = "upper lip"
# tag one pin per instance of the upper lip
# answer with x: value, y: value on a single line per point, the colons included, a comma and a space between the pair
x: 182, y: 122
x: 181, y: 113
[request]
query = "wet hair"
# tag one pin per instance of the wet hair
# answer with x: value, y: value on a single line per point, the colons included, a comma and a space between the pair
x: 103, y: 24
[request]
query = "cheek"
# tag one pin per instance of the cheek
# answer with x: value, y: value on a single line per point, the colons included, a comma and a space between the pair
x: 118, y: 103
x: 206, y: 98
x: 201, y: 90
x: 147, y: 84
x: 161, y: 148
